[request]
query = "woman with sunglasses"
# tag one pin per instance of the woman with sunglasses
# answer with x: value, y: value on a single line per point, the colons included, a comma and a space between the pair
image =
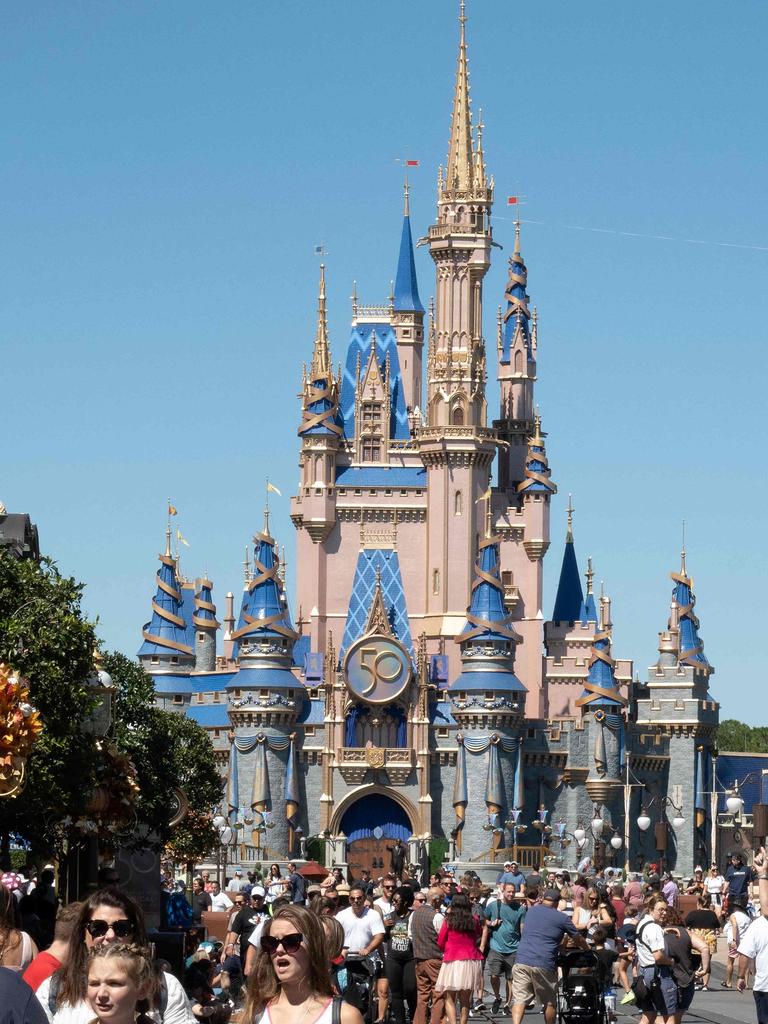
x: 275, y: 885
x: 106, y: 917
x: 291, y: 982
x: 399, y: 963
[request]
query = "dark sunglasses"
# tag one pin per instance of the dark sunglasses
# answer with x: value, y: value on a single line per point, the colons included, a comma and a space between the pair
x: 98, y: 929
x: 290, y: 943
x: 356, y: 899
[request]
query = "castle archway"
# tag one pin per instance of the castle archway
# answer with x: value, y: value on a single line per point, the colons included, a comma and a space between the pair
x: 372, y: 820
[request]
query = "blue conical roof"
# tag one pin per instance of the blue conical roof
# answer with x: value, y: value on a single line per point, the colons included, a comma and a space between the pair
x: 491, y: 666
x: 487, y: 615
x: 601, y: 682
x: 263, y: 613
x: 517, y: 313
x: 167, y: 631
x: 382, y: 565
x: 570, y: 596
x: 691, y: 645
x: 406, y: 286
x: 205, y: 609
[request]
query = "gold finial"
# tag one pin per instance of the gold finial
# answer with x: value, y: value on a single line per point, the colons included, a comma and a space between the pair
x: 488, y: 530
x: 321, y: 359
x: 570, y: 510
x: 535, y: 329
x: 406, y: 192
x: 247, y: 566
x: 391, y: 296
x: 589, y: 574
x: 460, y: 172
x: 168, y: 541
x: 517, y: 233
x: 538, y: 439
x: 353, y: 296
x: 682, y: 555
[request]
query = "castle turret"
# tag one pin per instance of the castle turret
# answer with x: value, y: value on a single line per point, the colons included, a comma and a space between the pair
x: 516, y: 371
x: 408, y: 317
x: 204, y: 621
x: 269, y: 697
x: 677, y: 702
x: 167, y: 646
x: 487, y: 697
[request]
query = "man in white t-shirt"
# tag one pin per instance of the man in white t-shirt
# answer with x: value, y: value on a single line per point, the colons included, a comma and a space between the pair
x: 384, y: 903
x: 654, y: 965
x: 237, y: 883
x: 363, y: 927
x: 220, y: 902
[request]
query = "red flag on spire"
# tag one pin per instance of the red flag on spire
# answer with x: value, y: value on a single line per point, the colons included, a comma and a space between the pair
x: 411, y: 163
x: 512, y: 200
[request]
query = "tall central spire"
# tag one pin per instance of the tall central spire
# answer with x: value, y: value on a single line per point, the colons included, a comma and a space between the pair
x: 321, y: 359
x: 459, y: 174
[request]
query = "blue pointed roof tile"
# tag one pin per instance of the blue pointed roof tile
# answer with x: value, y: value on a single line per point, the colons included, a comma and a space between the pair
x: 570, y: 596
x: 691, y: 645
x: 387, y: 563
x: 359, y: 350
x: 263, y: 612
x: 406, y: 286
x: 517, y: 315
x: 167, y: 632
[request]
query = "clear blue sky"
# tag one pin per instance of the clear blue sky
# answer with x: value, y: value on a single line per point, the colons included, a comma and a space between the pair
x: 168, y: 167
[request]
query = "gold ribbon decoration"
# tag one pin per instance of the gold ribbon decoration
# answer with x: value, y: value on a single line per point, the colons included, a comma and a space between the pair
x: 273, y: 622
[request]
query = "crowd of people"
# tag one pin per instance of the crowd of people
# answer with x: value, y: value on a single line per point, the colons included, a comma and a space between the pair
x: 330, y: 952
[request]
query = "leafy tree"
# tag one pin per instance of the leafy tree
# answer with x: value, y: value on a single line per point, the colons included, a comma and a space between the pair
x: 193, y: 839
x: 44, y: 636
x: 169, y: 751
x: 738, y: 736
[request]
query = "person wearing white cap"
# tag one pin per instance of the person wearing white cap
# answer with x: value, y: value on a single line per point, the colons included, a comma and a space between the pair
x: 237, y: 883
x: 512, y: 875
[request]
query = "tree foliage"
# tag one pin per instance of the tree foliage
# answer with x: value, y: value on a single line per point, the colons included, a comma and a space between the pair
x: 193, y: 839
x: 169, y: 751
x: 738, y: 736
x: 44, y: 636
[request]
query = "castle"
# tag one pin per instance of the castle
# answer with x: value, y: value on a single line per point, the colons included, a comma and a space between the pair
x: 420, y: 694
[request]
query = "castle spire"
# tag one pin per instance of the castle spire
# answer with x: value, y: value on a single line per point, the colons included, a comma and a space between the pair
x: 460, y: 171
x: 167, y: 634
x: 570, y: 597
x: 537, y: 471
x: 588, y: 611
x: 601, y: 689
x: 321, y: 357
x: 406, y: 290
x: 690, y: 644
x: 320, y: 396
x: 263, y: 615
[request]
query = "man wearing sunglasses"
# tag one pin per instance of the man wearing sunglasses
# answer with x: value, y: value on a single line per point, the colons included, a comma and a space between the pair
x: 246, y: 927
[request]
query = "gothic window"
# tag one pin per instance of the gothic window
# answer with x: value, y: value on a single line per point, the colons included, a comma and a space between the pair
x: 436, y: 581
x: 457, y: 504
x: 372, y: 417
x: 371, y: 450
x: 518, y: 362
x: 457, y: 416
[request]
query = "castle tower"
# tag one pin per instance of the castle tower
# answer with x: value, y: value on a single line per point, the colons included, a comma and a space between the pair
x: 408, y: 318
x: 489, y: 699
x: 516, y: 344
x: 204, y: 621
x: 270, y: 699
x: 313, y: 510
x: 677, y: 702
x: 168, y: 642
x: 457, y: 448
x: 601, y: 705
x: 460, y: 244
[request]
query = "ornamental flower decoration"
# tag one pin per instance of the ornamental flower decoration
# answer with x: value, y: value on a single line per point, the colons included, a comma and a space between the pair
x: 20, y: 728
x: 113, y: 800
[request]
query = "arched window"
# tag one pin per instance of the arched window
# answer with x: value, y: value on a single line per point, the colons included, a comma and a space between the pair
x: 457, y: 416
x: 435, y: 581
x: 458, y: 504
x: 518, y: 362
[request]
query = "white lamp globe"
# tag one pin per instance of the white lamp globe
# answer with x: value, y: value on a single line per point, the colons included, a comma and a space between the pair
x: 579, y: 834
x: 643, y: 822
x: 678, y: 821
x: 220, y: 821
x: 616, y: 842
x: 734, y: 804
x: 597, y: 826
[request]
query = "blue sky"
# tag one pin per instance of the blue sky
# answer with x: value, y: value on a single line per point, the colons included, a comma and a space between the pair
x: 167, y: 169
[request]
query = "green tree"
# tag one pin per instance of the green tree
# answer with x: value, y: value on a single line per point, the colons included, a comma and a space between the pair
x: 44, y: 636
x: 738, y: 736
x: 169, y: 751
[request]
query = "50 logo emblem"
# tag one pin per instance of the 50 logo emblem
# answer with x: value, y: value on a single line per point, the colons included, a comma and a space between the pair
x: 377, y: 669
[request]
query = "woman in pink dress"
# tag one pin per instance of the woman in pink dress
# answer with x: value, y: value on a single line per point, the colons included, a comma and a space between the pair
x: 461, y: 972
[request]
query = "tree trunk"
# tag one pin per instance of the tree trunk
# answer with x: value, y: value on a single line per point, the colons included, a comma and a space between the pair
x: 5, y: 850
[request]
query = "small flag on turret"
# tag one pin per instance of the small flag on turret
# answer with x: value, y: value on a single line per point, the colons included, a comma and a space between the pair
x: 273, y: 489
x: 180, y: 537
x: 484, y: 496
x: 411, y: 163
x: 513, y: 200
x: 320, y: 250
x: 172, y: 510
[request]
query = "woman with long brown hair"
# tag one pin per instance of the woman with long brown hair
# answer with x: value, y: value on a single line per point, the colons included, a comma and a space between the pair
x: 105, y: 918
x: 17, y: 949
x: 291, y: 980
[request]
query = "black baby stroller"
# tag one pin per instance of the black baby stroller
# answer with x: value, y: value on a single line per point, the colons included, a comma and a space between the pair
x: 360, y: 989
x: 580, y: 998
